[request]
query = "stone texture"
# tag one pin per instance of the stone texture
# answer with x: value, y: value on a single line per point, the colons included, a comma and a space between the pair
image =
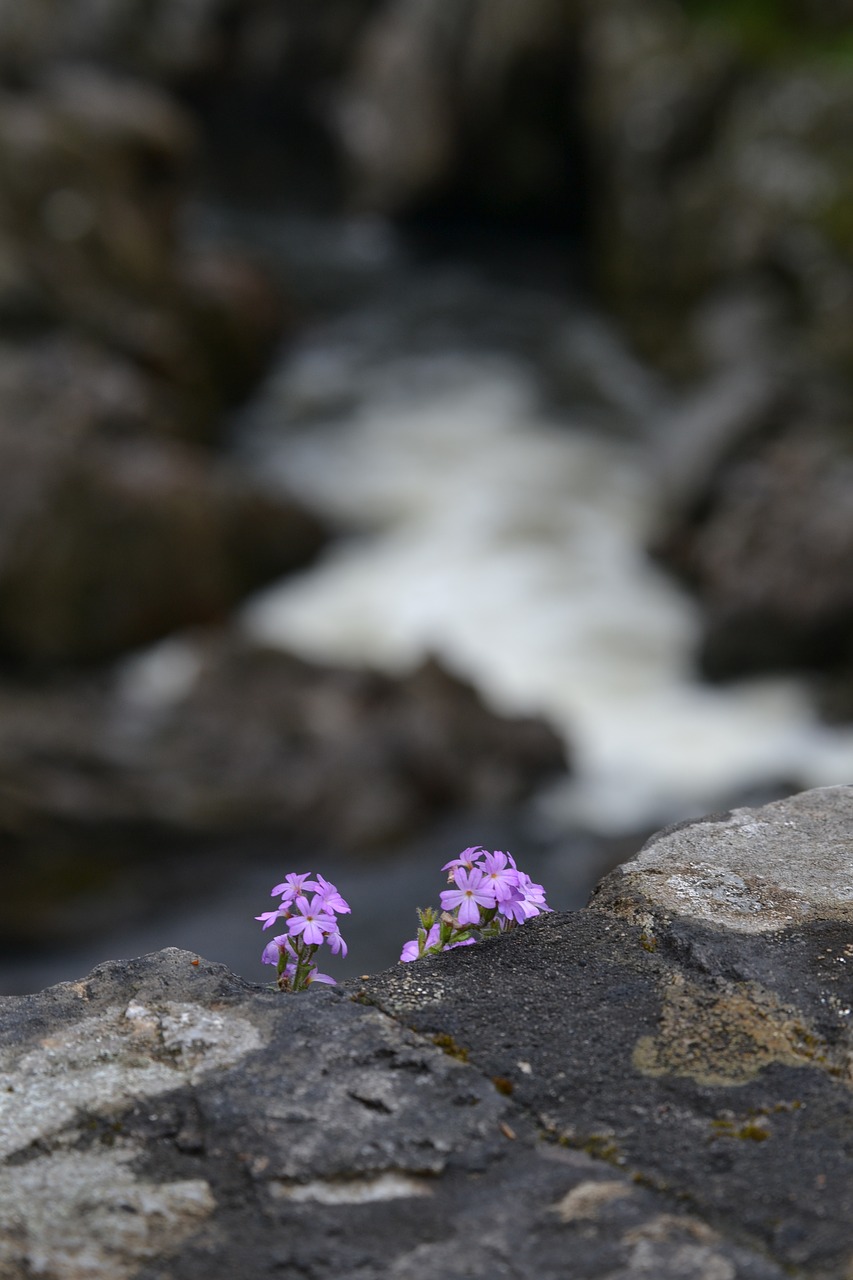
x: 668, y: 1098
x: 749, y: 871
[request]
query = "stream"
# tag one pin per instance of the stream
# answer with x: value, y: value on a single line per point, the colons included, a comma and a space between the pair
x: 488, y: 450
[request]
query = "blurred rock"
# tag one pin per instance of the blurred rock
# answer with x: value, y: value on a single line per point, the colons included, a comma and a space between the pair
x: 259, y: 75
x: 111, y: 533
x: 768, y: 546
x: 718, y: 162
x: 466, y: 104
x: 175, y: 40
x: 93, y: 173
x: 210, y: 738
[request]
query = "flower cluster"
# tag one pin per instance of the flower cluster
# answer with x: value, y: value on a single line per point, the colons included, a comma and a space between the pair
x: 489, y: 895
x: 310, y: 922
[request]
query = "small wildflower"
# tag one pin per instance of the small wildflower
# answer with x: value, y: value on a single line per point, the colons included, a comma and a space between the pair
x: 331, y: 898
x: 533, y: 895
x: 465, y: 859
x: 293, y: 885
x: 311, y: 920
x: 336, y: 944
x: 499, y: 874
x: 488, y: 896
x: 471, y: 890
x: 269, y: 917
x: 426, y: 940
x: 310, y: 923
x: 274, y: 949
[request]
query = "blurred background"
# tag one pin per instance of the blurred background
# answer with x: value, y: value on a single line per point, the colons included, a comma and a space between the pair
x: 422, y: 423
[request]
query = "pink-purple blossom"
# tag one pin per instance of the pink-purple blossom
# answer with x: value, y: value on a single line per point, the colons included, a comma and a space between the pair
x: 487, y: 897
x: 337, y: 946
x: 311, y: 920
x: 310, y: 923
x: 412, y: 950
x: 332, y: 900
x: 275, y: 948
x: 466, y: 858
x: 293, y: 885
x: 270, y: 917
x: 471, y: 893
x: 499, y: 873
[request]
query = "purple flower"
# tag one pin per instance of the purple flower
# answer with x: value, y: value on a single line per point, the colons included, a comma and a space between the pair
x: 274, y: 948
x: 332, y: 900
x: 294, y: 885
x: 270, y: 917
x: 411, y: 950
x: 336, y: 943
x: 533, y: 896
x: 463, y: 942
x: 313, y: 922
x: 513, y: 907
x: 466, y: 858
x: 314, y: 976
x: 471, y: 889
x: 501, y: 877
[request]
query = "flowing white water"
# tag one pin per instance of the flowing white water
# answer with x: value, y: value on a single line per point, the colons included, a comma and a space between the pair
x: 508, y: 540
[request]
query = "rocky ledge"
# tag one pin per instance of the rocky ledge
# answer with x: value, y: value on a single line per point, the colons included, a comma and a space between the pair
x: 656, y: 1086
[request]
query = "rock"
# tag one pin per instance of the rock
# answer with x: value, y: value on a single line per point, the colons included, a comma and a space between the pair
x: 113, y: 534
x: 784, y: 866
x: 258, y: 77
x: 648, y: 1087
x: 196, y: 744
x: 651, y: 92
x: 463, y: 105
x: 93, y: 171
x: 263, y: 739
x: 767, y: 545
x: 719, y: 163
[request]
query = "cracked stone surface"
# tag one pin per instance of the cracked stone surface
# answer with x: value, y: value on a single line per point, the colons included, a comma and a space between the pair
x: 639, y: 1089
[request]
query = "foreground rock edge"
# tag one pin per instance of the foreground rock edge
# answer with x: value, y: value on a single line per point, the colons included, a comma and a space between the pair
x: 752, y: 870
x: 676, y: 1099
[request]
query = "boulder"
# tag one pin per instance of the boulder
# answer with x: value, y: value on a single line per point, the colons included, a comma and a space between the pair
x: 93, y: 175
x: 112, y: 532
x: 467, y: 105
x: 719, y: 145
x: 766, y: 543
x: 259, y: 76
x: 658, y: 1085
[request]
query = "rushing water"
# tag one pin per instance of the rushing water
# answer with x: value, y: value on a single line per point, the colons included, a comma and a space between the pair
x: 486, y: 448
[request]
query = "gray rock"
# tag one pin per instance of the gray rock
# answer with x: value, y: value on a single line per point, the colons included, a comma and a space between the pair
x: 767, y: 547
x: 471, y: 99
x: 113, y: 534
x: 94, y: 169
x: 750, y: 871
x: 720, y: 164
x: 674, y: 1103
x: 165, y: 1118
